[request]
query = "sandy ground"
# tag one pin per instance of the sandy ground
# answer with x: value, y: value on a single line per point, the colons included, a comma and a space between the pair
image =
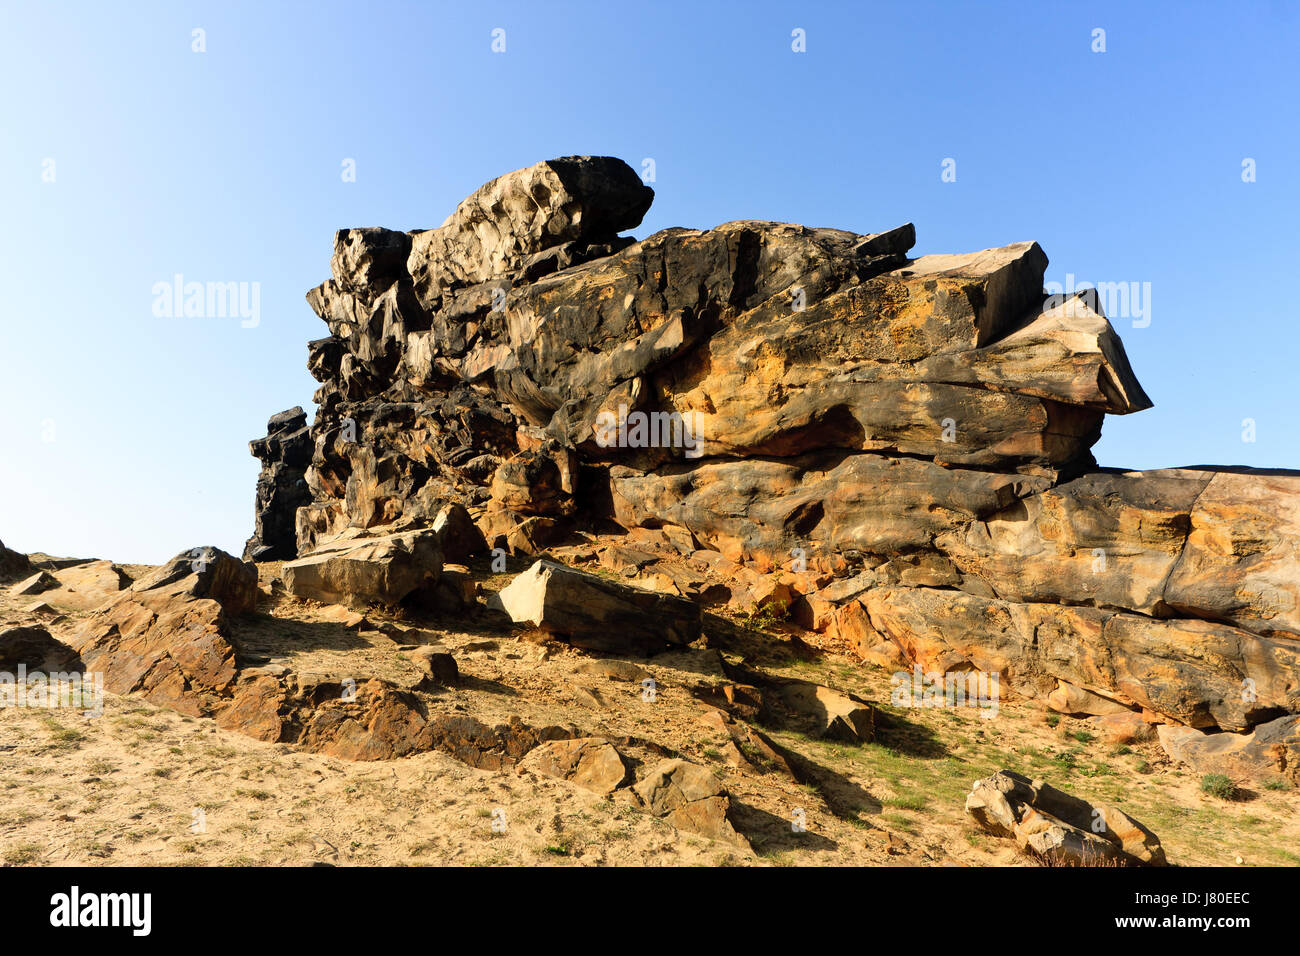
x: 140, y: 785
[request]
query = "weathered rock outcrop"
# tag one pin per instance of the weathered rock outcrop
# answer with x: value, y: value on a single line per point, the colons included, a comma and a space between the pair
x: 168, y: 637
x: 807, y: 399
x: 587, y: 762
x: 1268, y: 754
x: 690, y: 797
x: 285, y: 453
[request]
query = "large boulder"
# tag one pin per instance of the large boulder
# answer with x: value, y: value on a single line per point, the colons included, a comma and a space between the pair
x: 204, y: 572
x: 691, y: 798
x: 594, y: 612
x: 580, y: 200
x: 1062, y: 829
x: 828, y: 712
x: 588, y: 762
x: 168, y: 636
x: 361, y: 568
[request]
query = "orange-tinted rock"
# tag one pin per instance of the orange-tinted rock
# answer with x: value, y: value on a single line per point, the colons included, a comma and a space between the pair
x: 691, y: 798
x: 168, y: 637
x: 257, y: 709
x: 587, y: 762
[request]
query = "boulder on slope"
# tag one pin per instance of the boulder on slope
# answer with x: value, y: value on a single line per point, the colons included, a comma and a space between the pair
x: 596, y: 613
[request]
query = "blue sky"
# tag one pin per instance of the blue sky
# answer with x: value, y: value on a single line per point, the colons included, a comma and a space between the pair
x: 124, y: 433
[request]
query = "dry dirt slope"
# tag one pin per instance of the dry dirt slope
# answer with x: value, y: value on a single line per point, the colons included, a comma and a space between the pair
x: 142, y: 785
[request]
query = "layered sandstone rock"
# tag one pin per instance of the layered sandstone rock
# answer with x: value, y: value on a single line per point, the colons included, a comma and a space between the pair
x: 1268, y: 754
x: 907, y: 437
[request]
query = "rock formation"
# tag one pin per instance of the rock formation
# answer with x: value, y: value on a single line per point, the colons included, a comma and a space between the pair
x: 358, y: 568
x: 13, y: 564
x: 906, y: 438
x: 285, y: 453
x: 1059, y: 828
x: 167, y: 636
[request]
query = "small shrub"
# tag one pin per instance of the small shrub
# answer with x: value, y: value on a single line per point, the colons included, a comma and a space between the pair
x: 1217, y: 785
x: 767, y: 616
x: 23, y: 854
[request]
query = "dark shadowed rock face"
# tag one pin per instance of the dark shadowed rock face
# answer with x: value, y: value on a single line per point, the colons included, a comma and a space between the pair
x: 13, y: 564
x: 285, y: 453
x: 779, y: 395
x: 35, y: 649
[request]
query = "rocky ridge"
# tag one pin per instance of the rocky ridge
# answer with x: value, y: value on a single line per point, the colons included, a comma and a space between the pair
x: 806, y: 431
x: 809, y: 400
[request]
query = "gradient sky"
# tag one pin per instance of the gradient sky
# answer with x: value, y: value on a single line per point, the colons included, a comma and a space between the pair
x: 124, y: 434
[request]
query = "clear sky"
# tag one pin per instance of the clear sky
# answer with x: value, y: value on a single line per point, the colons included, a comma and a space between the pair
x: 124, y: 433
